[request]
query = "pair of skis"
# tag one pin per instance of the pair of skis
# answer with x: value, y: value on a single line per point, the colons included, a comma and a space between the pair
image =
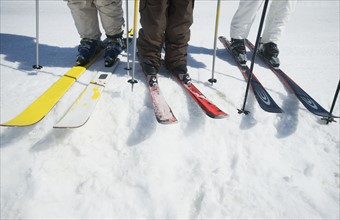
x: 82, y: 108
x: 163, y: 112
x: 265, y: 101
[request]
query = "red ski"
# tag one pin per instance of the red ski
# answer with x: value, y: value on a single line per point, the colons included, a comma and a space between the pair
x: 162, y: 110
x: 206, y: 105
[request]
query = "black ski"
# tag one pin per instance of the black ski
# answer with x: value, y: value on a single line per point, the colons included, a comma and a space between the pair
x: 265, y: 101
x: 311, y: 105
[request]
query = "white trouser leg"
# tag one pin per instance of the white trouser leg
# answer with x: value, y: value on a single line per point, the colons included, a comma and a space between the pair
x: 277, y: 18
x: 244, y: 18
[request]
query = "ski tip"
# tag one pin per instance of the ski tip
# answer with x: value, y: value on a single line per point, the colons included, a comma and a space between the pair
x: 221, y: 115
x: 22, y: 120
x: 167, y: 121
x: 67, y: 126
x: 277, y: 110
x: 6, y: 124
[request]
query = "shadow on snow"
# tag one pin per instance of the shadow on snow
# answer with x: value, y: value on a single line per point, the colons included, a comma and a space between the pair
x: 22, y: 50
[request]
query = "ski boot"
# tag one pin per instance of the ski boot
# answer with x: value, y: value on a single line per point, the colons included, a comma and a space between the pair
x: 113, y: 47
x: 182, y: 74
x: 238, y: 49
x: 270, y: 52
x: 150, y: 72
x: 86, y: 50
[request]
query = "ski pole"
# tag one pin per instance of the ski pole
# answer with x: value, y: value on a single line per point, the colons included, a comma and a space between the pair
x: 331, y: 119
x: 253, y: 57
x: 335, y: 97
x: 127, y: 38
x: 213, y: 80
x: 37, y: 66
x: 132, y: 80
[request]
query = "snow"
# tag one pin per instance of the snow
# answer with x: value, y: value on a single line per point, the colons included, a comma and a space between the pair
x: 122, y: 164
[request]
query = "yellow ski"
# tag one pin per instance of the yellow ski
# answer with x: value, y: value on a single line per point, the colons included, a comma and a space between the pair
x: 43, y: 104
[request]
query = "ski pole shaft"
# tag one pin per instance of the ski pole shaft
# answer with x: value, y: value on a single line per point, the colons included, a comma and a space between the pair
x: 37, y: 66
x: 254, y: 55
x: 335, y: 97
x: 330, y: 118
x: 127, y: 36
x: 135, y: 20
x: 213, y: 80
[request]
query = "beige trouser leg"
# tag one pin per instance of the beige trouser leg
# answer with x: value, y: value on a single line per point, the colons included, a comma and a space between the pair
x: 111, y: 15
x: 85, y: 14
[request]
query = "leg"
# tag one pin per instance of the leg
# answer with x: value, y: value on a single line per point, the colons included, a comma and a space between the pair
x: 277, y: 18
x: 244, y: 18
x: 111, y: 16
x: 177, y: 34
x: 153, y: 15
x: 85, y: 18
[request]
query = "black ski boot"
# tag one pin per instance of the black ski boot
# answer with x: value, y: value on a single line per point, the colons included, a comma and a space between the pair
x: 182, y: 73
x: 270, y: 52
x: 150, y: 71
x: 113, y: 47
x: 238, y: 49
x: 86, y: 50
